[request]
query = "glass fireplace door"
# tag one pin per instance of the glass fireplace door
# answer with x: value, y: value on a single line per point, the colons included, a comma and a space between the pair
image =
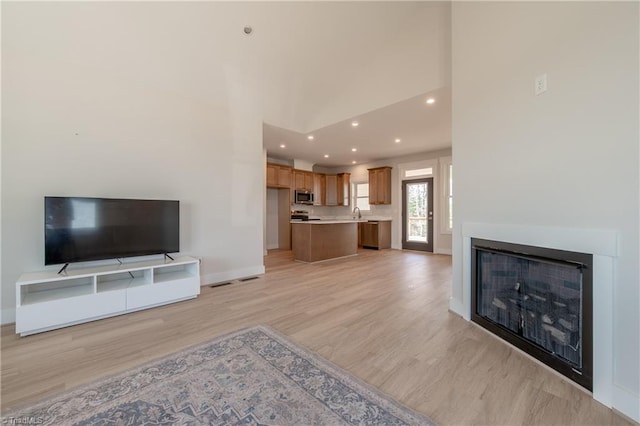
x: 537, y: 300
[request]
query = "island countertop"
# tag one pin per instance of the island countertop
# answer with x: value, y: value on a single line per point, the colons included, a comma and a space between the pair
x: 330, y: 221
x: 326, y: 221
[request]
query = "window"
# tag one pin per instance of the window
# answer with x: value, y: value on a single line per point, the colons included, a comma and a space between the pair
x: 418, y: 172
x: 361, y: 196
x: 447, y: 194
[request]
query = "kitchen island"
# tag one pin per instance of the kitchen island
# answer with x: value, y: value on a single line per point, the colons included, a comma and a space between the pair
x: 316, y: 240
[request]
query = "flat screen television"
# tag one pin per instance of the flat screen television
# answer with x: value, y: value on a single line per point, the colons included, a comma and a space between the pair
x: 79, y: 229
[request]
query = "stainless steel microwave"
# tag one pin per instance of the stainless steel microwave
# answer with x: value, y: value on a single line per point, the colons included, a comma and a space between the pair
x: 302, y: 196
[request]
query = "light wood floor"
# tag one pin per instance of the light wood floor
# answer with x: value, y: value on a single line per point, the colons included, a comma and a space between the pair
x: 381, y: 316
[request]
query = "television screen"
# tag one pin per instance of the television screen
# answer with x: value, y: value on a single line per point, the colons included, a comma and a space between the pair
x: 79, y: 229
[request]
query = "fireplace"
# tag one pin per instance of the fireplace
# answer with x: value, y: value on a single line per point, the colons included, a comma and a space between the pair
x: 538, y: 299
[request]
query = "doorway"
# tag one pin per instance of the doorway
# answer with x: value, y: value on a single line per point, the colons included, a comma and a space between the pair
x: 278, y: 229
x: 417, y: 214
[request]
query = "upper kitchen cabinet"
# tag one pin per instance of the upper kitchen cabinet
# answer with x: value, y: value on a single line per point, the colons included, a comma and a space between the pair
x: 331, y: 190
x: 303, y: 180
x: 380, y: 185
x: 338, y: 189
x: 278, y: 176
x: 319, y: 189
x: 344, y: 189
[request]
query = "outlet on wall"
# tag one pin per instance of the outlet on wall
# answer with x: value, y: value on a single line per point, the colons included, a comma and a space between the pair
x: 541, y: 84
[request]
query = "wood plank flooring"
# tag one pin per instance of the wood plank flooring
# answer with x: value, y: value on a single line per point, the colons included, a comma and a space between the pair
x: 382, y: 315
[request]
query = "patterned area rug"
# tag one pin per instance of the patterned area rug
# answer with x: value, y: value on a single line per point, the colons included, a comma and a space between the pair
x: 254, y: 376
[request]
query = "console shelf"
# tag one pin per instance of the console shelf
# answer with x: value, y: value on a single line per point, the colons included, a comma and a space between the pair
x: 47, y: 300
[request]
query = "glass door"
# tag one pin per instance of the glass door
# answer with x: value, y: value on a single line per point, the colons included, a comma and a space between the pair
x: 417, y: 214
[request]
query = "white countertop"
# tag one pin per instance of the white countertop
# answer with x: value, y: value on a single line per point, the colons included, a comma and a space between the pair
x: 327, y: 221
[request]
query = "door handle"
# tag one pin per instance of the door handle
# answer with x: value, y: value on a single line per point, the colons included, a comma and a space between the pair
x: 430, y: 216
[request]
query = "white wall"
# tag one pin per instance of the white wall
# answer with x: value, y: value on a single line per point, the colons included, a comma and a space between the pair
x: 100, y: 100
x: 427, y: 30
x: 568, y: 158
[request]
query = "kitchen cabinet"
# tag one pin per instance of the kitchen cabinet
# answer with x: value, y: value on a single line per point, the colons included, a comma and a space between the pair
x: 308, y: 181
x: 278, y: 176
x: 284, y: 177
x: 272, y: 176
x: 303, y: 180
x: 319, y: 189
x: 298, y: 180
x: 380, y: 185
x: 375, y: 234
x: 331, y: 190
x: 314, y: 241
x: 338, y: 189
x: 344, y: 189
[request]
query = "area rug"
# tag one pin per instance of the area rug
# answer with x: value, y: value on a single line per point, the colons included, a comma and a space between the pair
x: 254, y: 376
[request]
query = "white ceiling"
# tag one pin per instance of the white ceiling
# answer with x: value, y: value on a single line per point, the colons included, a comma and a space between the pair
x: 420, y: 127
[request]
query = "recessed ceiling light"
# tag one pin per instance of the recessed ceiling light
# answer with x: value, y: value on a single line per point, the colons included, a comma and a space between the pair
x: 310, y: 137
x: 430, y: 101
x: 354, y: 162
x: 326, y: 156
x: 354, y: 149
x: 355, y: 123
x: 283, y: 145
x: 398, y: 140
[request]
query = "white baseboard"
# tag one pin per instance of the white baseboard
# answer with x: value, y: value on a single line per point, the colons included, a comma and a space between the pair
x: 456, y: 307
x: 435, y: 250
x: 8, y: 316
x: 443, y: 251
x: 626, y: 402
x: 272, y: 246
x: 235, y: 274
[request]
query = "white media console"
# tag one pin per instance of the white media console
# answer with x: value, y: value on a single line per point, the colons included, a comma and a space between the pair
x: 48, y: 300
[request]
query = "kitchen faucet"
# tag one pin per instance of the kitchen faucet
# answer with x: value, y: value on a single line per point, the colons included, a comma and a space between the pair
x: 354, y: 212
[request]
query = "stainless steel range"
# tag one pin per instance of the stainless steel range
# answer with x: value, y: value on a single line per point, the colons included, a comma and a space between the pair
x: 299, y: 215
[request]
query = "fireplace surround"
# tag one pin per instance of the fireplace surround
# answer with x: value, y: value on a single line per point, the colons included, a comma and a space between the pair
x: 538, y: 299
x: 602, y: 244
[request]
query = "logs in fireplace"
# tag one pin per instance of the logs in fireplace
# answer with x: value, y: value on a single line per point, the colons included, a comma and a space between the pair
x: 538, y: 299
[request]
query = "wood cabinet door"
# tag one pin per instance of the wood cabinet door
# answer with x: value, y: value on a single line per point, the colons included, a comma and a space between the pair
x: 331, y: 193
x: 272, y: 176
x: 373, y: 187
x: 284, y: 177
x: 344, y: 189
x: 298, y: 179
x: 319, y: 189
x: 380, y: 185
x: 308, y: 181
x: 384, y: 234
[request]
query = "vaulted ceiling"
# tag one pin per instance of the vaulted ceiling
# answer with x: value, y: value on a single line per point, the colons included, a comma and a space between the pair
x: 329, y: 63
x: 306, y: 67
